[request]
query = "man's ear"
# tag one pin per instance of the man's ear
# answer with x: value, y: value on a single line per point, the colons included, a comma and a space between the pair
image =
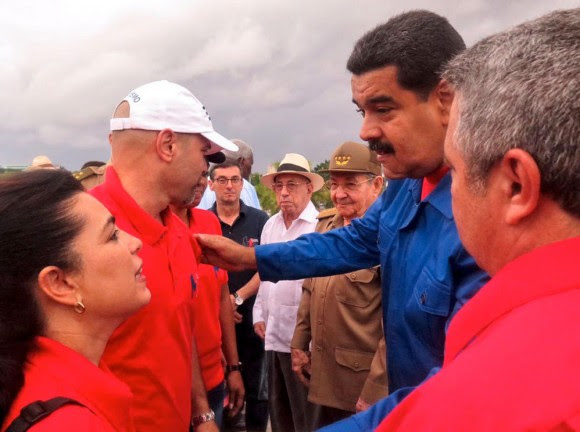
x: 377, y: 184
x: 58, y: 286
x: 166, y: 144
x: 210, y: 184
x: 443, y: 95
x: 521, y: 182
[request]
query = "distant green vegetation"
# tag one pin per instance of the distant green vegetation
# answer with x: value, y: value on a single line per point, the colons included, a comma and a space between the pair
x: 6, y: 171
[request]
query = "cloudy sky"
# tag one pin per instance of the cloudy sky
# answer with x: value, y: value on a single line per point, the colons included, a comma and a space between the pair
x: 271, y: 72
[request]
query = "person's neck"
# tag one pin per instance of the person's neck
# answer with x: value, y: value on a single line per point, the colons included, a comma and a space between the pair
x: 228, y: 211
x: 145, y: 191
x: 89, y: 344
x: 182, y: 213
x: 289, y: 218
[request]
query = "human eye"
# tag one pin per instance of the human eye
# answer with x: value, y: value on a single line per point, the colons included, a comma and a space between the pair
x: 114, y: 235
x: 360, y: 111
x: 384, y: 110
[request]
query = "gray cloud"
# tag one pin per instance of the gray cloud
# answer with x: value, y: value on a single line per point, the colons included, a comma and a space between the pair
x: 271, y: 72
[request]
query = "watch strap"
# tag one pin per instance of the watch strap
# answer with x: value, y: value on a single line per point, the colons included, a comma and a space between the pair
x: 202, y: 418
x: 232, y: 368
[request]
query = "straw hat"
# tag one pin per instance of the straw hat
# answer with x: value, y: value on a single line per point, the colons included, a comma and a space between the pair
x: 41, y: 162
x: 294, y: 163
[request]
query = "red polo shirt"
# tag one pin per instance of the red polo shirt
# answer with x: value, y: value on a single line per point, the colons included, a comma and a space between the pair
x: 512, y: 354
x: 151, y: 351
x: 54, y: 370
x: 207, y: 326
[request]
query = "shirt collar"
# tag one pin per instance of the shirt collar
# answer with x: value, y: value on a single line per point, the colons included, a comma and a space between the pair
x: 438, y: 198
x: 545, y: 271
x: 309, y: 214
x: 243, y: 208
x: 149, y: 229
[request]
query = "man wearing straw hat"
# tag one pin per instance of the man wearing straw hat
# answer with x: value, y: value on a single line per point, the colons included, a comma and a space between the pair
x: 277, y: 304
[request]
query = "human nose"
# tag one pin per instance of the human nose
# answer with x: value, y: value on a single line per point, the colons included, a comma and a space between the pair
x: 133, y: 243
x: 369, y: 129
x: 339, y: 191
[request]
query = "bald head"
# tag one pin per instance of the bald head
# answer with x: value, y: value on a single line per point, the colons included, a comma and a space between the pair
x: 129, y: 146
x: 244, y: 157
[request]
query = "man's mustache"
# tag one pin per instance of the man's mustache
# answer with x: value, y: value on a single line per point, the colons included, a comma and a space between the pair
x: 380, y: 146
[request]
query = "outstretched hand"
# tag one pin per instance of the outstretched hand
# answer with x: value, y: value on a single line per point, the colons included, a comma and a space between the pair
x: 225, y: 253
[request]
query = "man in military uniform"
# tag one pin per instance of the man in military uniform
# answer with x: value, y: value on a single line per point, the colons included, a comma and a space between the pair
x: 341, y: 315
x: 91, y: 174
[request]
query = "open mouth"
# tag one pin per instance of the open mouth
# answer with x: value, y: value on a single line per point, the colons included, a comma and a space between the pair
x: 139, y: 276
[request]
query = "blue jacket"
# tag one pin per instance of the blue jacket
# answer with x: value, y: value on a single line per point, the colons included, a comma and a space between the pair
x: 427, y: 275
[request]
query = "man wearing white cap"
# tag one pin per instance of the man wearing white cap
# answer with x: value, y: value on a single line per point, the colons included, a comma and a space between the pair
x: 160, y: 134
x: 276, y: 305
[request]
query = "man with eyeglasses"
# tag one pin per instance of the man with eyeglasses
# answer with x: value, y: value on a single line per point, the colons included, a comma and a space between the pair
x: 338, y: 347
x: 277, y: 303
x: 243, y: 224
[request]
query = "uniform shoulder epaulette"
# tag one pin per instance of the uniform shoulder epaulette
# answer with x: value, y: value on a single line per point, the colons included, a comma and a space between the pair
x: 84, y: 173
x: 331, y: 212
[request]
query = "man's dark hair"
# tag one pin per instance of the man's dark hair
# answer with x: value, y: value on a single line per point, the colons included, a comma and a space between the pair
x: 226, y: 164
x: 419, y: 43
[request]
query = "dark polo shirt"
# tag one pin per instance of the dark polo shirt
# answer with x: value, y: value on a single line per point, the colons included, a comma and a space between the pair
x: 246, y: 230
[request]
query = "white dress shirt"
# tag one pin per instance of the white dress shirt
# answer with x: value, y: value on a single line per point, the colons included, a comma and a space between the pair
x: 277, y: 303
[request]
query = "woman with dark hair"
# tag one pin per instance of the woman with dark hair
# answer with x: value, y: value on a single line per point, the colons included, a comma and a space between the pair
x: 68, y: 278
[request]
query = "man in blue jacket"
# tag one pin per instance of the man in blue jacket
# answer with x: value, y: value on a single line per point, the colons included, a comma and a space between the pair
x: 427, y: 275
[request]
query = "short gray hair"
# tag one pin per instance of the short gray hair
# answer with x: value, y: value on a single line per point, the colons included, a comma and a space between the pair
x: 244, y: 150
x: 521, y: 89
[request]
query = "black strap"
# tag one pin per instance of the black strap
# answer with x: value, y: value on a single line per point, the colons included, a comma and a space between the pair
x: 36, y: 411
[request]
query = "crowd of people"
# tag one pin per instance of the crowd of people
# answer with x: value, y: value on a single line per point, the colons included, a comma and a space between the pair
x: 151, y: 293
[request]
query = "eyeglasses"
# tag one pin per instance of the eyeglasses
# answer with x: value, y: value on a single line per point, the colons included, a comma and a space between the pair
x: 290, y: 186
x: 350, y: 186
x: 224, y: 180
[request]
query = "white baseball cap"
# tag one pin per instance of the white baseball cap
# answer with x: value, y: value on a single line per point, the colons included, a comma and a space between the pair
x: 165, y: 105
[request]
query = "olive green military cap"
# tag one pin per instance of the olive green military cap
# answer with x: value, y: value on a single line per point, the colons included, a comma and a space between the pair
x: 354, y: 157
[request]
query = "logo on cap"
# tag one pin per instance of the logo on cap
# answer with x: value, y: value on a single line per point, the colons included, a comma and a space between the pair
x: 206, y: 113
x: 135, y: 97
x: 342, y: 160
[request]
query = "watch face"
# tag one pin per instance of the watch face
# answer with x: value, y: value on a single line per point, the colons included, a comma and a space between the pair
x: 239, y: 301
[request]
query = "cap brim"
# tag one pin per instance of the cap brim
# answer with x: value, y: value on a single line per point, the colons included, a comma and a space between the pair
x: 216, y: 158
x: 218, y: 142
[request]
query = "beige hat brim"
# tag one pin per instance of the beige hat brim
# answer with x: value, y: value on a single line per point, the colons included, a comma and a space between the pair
x: 316, y: 180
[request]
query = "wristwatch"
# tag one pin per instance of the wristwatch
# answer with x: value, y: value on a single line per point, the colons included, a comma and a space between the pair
x: 202, y: 418
x: 237, y: 299
x: 231, y: 368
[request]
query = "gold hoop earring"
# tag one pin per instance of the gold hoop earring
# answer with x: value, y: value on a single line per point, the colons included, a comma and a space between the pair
x: 79, y: 307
